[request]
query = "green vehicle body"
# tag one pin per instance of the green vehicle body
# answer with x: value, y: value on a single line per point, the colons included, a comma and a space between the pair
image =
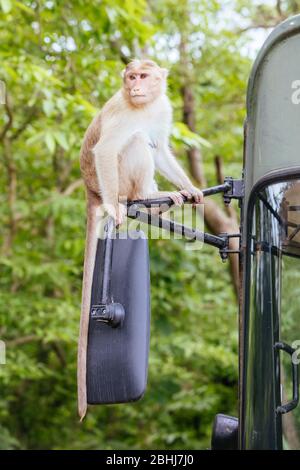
x: 271, y: 171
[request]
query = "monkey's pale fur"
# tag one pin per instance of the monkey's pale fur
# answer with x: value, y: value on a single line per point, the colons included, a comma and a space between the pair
x: 123, y: 146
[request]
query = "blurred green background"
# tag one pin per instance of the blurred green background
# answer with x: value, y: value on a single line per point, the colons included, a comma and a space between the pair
x: 60, y: 62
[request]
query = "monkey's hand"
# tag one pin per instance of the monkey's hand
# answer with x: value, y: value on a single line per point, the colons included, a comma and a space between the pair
x: 193, y: 193
x: 118, y: 213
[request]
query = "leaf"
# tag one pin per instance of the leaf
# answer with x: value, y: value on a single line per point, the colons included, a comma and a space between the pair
x: 88, y: 106
x: 183, y: 133
x: 50, y: 141
x: 61, y: 104
x: 25, y: 8
x: 61, y: 139
x: 6, y: 5
x: 36, y: 137
x: 48, y: 107
x: 10, y: 70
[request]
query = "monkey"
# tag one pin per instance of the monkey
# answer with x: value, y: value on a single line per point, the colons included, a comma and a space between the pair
x: 123, y: 146
x: 131, y: 137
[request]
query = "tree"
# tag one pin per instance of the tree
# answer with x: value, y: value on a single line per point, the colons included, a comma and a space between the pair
x: 60, y: 62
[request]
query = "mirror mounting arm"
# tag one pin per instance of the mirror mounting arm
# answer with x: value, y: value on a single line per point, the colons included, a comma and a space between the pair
x: 236, y: 190
x: 224, y: 252
x: 231, y: 189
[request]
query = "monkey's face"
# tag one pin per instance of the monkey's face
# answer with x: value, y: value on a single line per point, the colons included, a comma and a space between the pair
x: 143, y: 85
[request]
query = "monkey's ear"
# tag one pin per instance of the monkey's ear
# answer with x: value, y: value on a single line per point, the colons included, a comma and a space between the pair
x: 123, y: 73
x: 165, y: 72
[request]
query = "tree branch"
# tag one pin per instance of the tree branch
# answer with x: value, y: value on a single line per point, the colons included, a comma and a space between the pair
x: 216, y: 220
x: 31, y: 113
x: 72, y: 187
x: 60, y: 353
x: 256, y: 26
x: 11, y: 194
x: 278, y: 7
x: 22, y: 340
x: 114, y: 44
x: 9, y: 123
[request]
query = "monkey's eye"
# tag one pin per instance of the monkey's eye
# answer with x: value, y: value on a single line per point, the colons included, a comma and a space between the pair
x: 131, y: 77
x: 144, y: 75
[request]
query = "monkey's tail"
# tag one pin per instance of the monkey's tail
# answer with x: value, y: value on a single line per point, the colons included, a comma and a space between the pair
x: 93, y: 203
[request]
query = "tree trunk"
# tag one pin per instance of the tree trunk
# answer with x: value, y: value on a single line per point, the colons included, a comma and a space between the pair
x: 215, y: 218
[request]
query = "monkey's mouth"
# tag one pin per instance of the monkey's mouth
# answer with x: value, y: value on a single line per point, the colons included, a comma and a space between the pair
x: 138, y: 96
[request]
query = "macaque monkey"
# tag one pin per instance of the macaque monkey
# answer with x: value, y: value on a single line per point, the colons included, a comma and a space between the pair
x: 123, y: 146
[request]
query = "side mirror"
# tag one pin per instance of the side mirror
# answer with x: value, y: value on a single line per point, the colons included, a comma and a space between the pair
x: 225, y: 433
x: 119, y: 328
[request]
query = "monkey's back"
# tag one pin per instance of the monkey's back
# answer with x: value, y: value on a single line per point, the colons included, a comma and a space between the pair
x: 87, y: 159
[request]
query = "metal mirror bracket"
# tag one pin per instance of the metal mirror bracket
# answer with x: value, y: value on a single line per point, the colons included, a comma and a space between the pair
x: 287, y: 407
x: 231, y: 189
x: 107, y: 311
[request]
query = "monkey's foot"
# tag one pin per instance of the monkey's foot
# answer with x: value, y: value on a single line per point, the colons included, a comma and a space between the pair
x: 118, y: 213
x: 121, y: 214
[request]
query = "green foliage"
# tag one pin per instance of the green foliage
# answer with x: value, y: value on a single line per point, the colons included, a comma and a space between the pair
x: 60, y: 62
